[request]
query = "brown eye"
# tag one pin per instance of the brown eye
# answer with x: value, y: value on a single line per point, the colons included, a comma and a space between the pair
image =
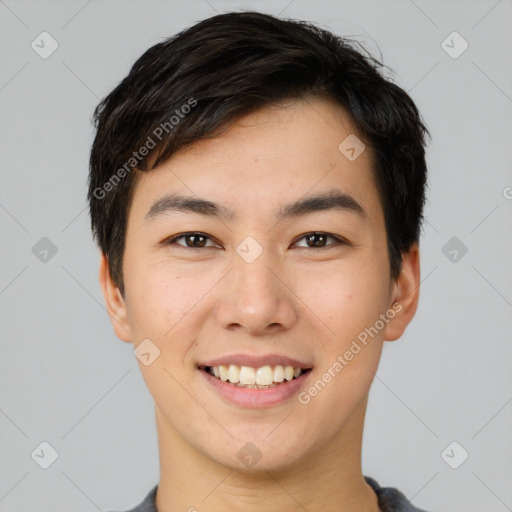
x: 319, y: 240
x: 191, y: 240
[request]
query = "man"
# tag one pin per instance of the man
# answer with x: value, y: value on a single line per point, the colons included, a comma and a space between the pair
x: 256, y: 190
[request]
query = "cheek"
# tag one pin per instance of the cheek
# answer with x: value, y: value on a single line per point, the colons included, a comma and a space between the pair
x: 347, y: 296
x: 158, y: 297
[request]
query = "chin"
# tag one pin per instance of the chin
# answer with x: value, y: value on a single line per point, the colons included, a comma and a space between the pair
x: 257, y: 454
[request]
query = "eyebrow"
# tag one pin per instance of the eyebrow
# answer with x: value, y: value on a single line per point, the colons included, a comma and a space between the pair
x: 333, y: 199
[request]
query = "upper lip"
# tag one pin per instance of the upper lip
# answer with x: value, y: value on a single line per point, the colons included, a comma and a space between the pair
x: 255, y: 361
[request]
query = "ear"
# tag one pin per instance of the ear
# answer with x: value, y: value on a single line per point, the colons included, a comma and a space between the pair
x: 116, y: 306
x: 405, y: 294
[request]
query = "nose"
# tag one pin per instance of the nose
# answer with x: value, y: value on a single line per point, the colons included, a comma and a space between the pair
x: 257, y: 297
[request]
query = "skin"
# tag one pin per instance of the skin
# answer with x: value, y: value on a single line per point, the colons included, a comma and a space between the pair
x: 294, y: 299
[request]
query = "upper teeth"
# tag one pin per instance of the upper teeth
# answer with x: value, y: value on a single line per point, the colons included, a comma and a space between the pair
x: 263, y: 376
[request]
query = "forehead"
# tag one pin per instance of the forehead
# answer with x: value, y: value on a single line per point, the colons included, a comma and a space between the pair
x: 266, y: 159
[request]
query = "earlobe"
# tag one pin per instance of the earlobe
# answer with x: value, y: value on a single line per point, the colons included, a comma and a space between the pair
x: 114, y: 302
x: 405, y: 296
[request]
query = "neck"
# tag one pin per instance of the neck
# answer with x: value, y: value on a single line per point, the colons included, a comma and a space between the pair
x: 330, y: 479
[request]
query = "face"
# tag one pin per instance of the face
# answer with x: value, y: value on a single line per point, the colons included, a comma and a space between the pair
x: 260, y: 274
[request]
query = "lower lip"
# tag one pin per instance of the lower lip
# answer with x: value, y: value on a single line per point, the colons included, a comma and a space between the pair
x: 256, y: 398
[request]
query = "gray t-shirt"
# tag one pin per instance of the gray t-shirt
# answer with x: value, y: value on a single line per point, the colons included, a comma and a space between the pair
x: 390, y: 500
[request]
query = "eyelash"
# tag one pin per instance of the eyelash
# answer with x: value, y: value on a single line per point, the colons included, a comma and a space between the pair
x: 339, y: 240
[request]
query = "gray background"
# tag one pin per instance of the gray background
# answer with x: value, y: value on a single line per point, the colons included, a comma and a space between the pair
x: 67, y: 380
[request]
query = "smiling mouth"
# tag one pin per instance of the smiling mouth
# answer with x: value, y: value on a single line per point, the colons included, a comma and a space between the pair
x: 263, y: 377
